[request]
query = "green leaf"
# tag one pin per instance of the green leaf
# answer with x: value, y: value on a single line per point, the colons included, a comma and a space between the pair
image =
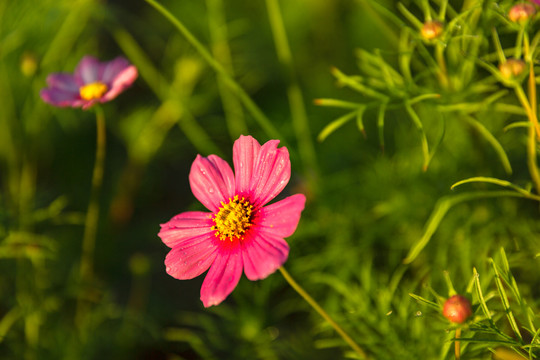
x: 480, y: 295
x: 442, y: 207
x: 499, y: 182
x: 482, y: 130
x: 431, y: 304
x: 336, y: 124
x: 505, y: 302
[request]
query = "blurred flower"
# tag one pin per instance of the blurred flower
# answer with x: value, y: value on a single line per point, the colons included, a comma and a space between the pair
x: 512, y: 68
x: 521, y: 12
x: 431, y: 30
x: 92, y: 82
x: 240, y: 233
x: 28, y: 64
x: 457, y: 309
x: 537, y: 2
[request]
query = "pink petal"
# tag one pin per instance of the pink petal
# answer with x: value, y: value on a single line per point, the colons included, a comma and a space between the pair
x: 263, y: 254
x: 271, y: 172
x: 111, y: 69
x: 281, y: 218
x: 185, y: 226
x: 212, y: 181
x: 63, y: 81
x: 60, y: 98
x: 89, y: 103
x: 87, y: 71
x: 223, y: 276
x: 121, y: 81
x: 245, y: 152
x: 192, y: 257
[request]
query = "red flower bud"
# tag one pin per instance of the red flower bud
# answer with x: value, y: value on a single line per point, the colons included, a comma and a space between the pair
x: 457, y: 309
x: 512, y: 68
x: 521, y: 12
x: 431, y: 30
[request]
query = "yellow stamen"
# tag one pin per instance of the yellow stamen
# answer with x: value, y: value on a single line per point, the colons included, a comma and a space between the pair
x: 93, y: 90
x: 233, y: 219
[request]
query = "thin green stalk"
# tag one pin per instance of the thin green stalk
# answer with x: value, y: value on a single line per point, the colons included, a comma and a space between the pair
x: 531, y: 159
x: 217, y: 25
x: 257, y: 114
x: 443, y: 72
x: 172, y: 106
x: 525, y: 103
x: 321, y: 312
x: 92, y: 215
x: 533, y: 131
x: 294, y: 93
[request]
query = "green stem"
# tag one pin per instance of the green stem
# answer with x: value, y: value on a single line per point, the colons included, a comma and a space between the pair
x: 533, y: 131
x: 294, y: 92
x: 525, y: 103
x: 443, y: 72
x: 232, y: 108
x: 255, y: 111
x: 92, y: 214
x: 321, y: 312
x: 531, y: 159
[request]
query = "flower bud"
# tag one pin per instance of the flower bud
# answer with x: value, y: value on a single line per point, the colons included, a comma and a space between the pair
x: 521, y: 13
x: 28, y: 64
x: 512, y: 68
x: 431, y: 30
x: 457, y: 309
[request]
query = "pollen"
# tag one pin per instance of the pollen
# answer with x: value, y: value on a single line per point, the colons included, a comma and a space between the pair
x: 93, y: 90
x: 233, y: 219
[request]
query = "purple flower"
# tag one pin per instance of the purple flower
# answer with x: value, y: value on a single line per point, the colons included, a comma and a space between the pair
x: 92, y: 82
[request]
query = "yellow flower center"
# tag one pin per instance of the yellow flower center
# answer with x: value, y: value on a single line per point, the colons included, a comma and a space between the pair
x: 93, y: 90
x: 233, y: 218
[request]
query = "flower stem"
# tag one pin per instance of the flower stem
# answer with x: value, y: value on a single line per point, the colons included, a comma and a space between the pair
x: 457, y: 349
x: 323, y: 313
x: 250, y: 105
x: 294, y: 92
x: 217, y: 25
x: 92, y: 214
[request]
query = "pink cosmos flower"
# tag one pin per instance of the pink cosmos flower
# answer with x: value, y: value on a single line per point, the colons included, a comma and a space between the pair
x: 93, y: 82
x: 239, y: 233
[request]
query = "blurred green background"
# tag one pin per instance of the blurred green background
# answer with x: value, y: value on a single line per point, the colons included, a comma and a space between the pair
x: 367, y: 206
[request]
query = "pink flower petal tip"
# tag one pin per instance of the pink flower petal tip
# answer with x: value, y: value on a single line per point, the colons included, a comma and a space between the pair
x: 92, y: 82
x: 240, y: 233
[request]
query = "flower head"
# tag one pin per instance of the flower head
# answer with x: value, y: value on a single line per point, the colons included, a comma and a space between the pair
x: 457, y: 309
x: 92, y: 82
x: 240, y: 233
x: 521, y: 13
x: 431, y: 29
x: 512, y: 68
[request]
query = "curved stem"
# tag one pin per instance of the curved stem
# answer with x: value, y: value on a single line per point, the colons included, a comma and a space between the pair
x: 294, y: 92
x: 92, y: 214
x: 323, y: 313
x: 250, y: 105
